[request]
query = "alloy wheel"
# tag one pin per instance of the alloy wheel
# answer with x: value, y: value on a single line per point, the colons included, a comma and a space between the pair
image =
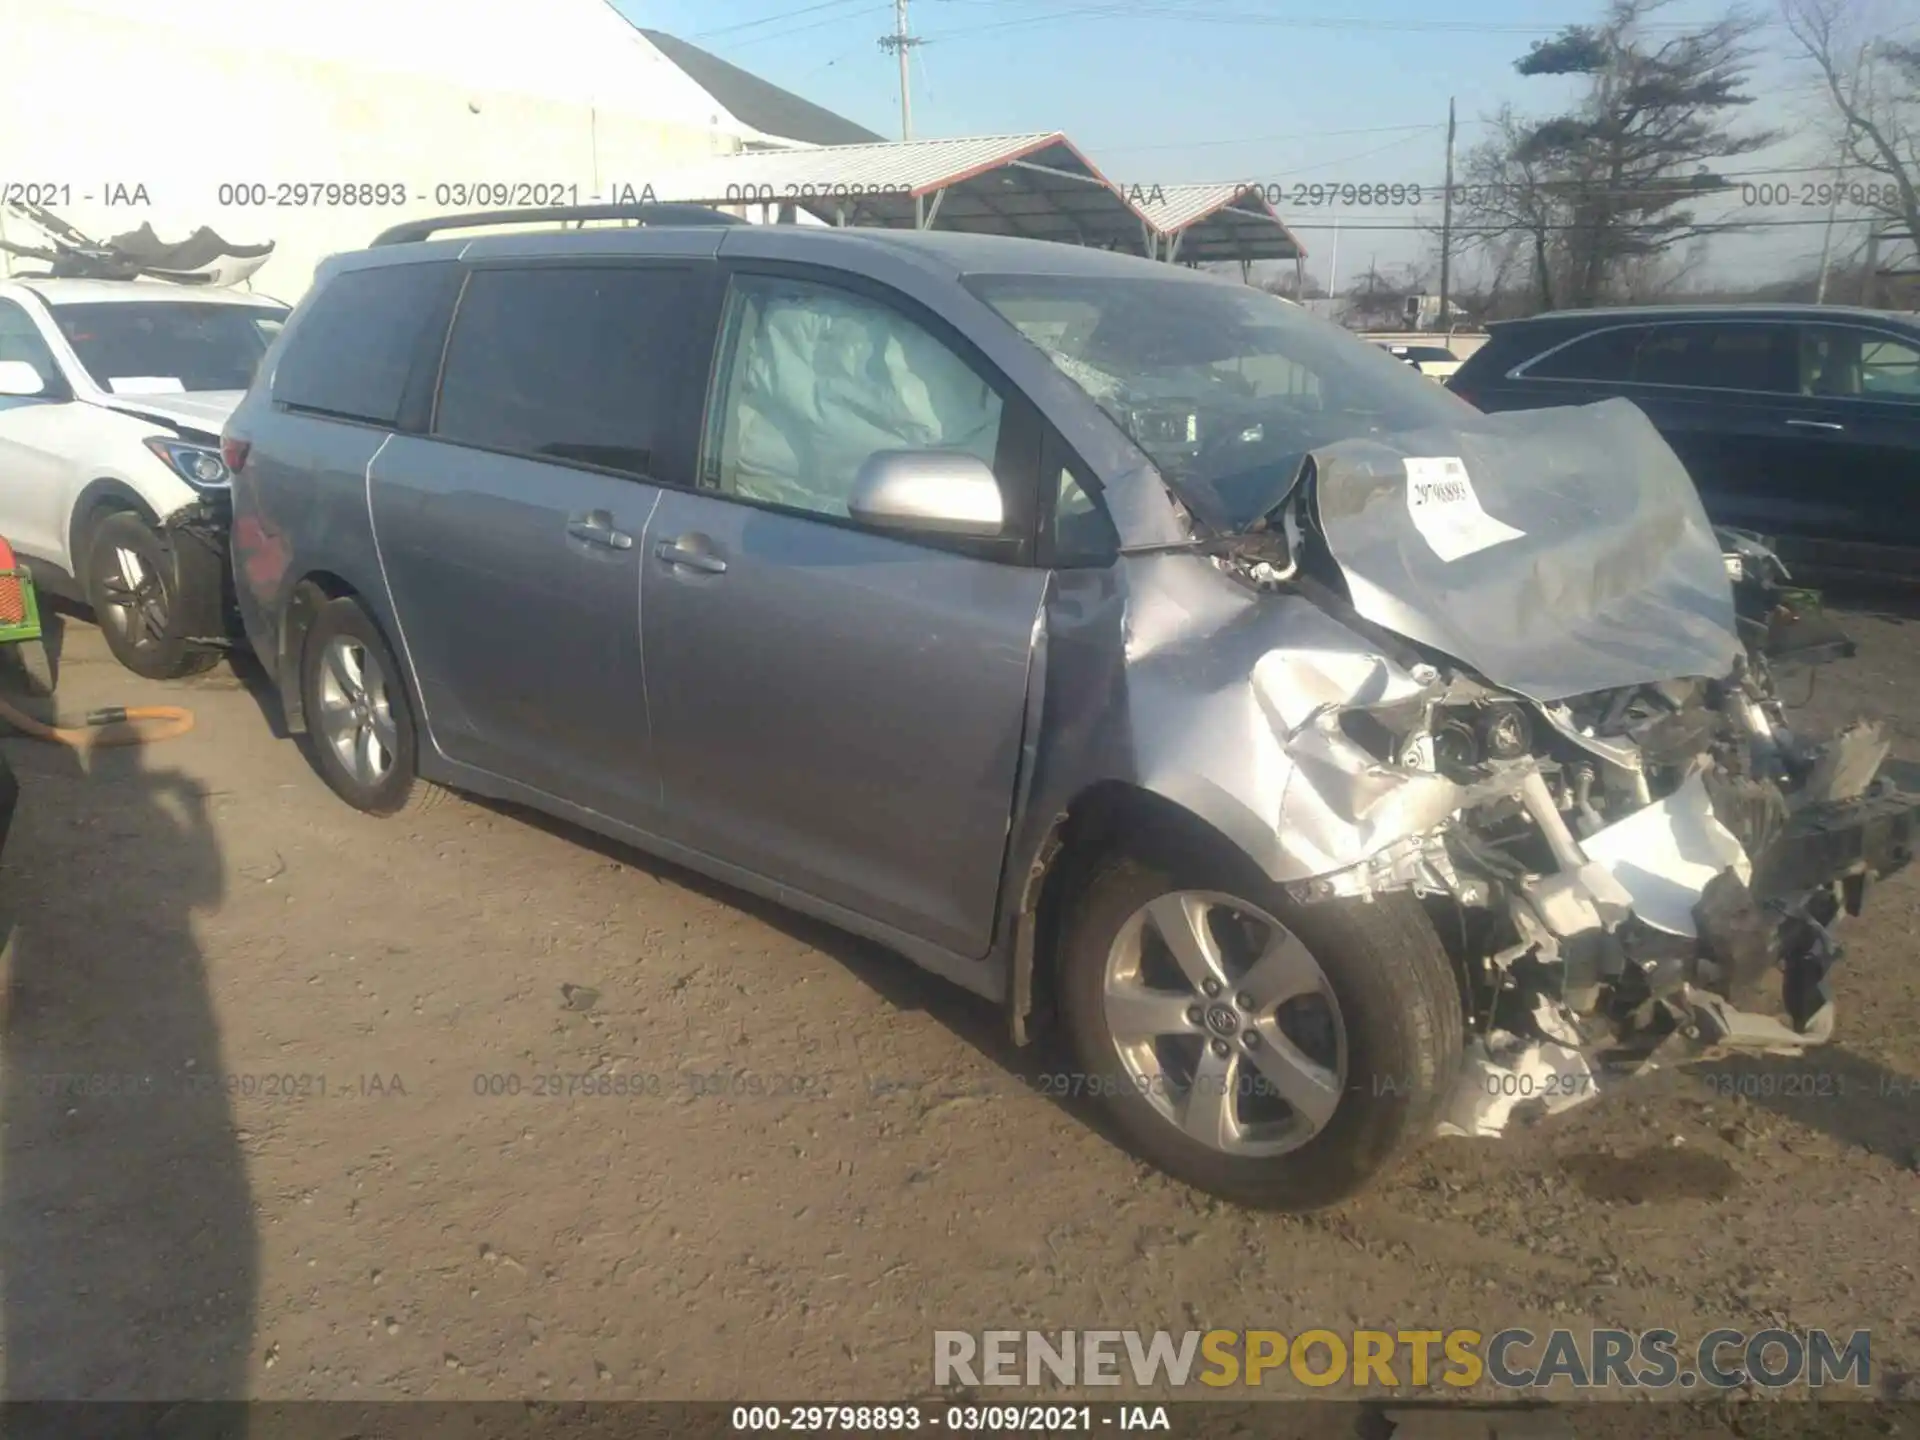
x: 356, y: 714
x: 136, y: 600
x: 1225, y: 1023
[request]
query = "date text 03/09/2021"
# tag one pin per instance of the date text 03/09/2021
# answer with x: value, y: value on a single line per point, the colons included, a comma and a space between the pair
x: 963, y: 1418
x: 390, y: 193
x: 266, y: 1085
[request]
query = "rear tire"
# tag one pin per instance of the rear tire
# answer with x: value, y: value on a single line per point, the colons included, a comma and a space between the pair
x: 1322, y: 1093
x: 132, y: 587
x: 360, y: 726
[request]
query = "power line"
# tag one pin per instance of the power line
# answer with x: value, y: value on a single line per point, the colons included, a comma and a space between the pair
x: 1189, y: 14
x: 866, y: 9
x: 1494, y: 232
x: 770, y: 19
x: 1550, y: 188
x: 1343, y: 160
x: 1273, y: 139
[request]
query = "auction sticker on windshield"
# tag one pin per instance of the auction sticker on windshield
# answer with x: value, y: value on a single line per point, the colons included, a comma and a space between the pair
x: 1445, y: 509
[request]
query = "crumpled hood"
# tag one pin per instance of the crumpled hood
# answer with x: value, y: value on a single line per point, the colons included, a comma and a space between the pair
x: 1557, y: 551
x: 205, y: 410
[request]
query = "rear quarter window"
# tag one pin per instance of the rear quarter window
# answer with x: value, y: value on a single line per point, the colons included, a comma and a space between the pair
x: 352, y: 352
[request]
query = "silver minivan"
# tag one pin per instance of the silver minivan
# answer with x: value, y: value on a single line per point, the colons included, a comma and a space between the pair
x: 1326, y: 762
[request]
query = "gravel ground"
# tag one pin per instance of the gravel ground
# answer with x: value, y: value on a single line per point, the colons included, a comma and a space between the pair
x: 319, y: 1193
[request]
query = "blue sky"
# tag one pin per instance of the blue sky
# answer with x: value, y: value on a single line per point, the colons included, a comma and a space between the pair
x: 1169, y: 91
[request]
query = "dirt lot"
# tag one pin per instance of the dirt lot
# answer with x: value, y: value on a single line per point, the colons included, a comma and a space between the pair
x: 205, y: 914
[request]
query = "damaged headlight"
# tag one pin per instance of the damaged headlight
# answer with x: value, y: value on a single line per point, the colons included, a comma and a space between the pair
x: 199, y: 465
x: 1465, y: 737
x: 1503, y: 731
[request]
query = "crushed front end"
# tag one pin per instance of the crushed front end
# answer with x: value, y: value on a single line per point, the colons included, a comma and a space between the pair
x: 1642, y: 868
x: 1635, y: 872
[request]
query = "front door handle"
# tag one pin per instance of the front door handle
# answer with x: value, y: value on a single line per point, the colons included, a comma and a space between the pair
x: 596, y: 528
x: 1818, y: 424
x: 679, y: 552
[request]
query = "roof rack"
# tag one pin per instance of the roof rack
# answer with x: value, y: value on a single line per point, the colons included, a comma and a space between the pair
x: 411, y: 230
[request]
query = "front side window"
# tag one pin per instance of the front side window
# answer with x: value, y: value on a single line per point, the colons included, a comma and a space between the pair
x: 1227, y: 389
x: 815, y: 380
x: 1739, y: 356
x: 156, y: 347
x: 1839, y: 360
x: 565, y: 364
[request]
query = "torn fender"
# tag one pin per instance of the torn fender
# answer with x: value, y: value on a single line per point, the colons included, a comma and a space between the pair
x: 1233, y: 702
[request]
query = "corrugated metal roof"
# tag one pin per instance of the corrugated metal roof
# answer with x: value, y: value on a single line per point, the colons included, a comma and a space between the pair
x: 1037, y: 185
x: 1225, y: 220
x: 1174, y: 207
x: 915, y: 166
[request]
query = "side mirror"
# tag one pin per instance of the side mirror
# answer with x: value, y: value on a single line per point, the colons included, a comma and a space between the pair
x: 929, y: 492
x: 18, y: 379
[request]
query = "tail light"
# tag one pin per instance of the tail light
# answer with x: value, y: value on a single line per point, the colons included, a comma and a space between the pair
x: 234, y: 452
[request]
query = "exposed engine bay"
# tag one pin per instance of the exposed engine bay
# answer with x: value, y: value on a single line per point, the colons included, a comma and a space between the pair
x: 1625, y: 875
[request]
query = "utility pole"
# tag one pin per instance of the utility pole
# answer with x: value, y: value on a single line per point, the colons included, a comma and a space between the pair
x: 900, y: 42
x: 1840, y: 184
x: 1446, y: 222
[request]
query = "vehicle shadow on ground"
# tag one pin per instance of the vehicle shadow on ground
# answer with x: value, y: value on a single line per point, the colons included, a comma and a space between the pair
x: 1853, y: 1099
x: 902, y: 984
x: 245, y: 667
x: 1041, y: 1067
x: 53, y: 636
x: 128, y: 1244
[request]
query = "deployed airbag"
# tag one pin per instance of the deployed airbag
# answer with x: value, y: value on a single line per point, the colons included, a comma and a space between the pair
x: 824, y: 381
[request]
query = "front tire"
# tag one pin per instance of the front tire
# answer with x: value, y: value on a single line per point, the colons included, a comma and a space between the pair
x: 359, y: 720
x: 1275, y: 1054
x: 133, y: 588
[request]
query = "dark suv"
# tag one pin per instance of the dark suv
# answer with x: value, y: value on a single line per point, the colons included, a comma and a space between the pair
x: 1799, y: 421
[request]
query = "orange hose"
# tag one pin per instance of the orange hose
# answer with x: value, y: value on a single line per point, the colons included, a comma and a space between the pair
x: 107, y: 727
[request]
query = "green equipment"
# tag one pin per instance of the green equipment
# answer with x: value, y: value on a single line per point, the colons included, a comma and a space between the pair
x: 19, y: 605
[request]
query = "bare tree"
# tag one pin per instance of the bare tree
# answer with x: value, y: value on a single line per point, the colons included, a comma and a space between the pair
x: 1510, y: 204
x: 1496, y: 288
x: 1872, y: 83
x: 1653, y: 279
x: 1605, y: 186
x: 1285, y: 283
x: 1379, y: 297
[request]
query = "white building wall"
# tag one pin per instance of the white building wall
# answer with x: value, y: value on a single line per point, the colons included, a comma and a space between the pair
x: 182, y: 99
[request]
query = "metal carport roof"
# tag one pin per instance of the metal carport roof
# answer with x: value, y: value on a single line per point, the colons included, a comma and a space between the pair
x: 1223, y: 221
x: 1038, y: 186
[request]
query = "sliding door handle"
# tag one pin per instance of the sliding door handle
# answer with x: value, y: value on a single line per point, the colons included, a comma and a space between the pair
x: 596, y: 528
x: 676, y: 552
x: 1818, y: 424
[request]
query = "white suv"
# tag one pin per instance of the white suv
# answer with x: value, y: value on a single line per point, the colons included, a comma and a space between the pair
x: 112, y: 489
